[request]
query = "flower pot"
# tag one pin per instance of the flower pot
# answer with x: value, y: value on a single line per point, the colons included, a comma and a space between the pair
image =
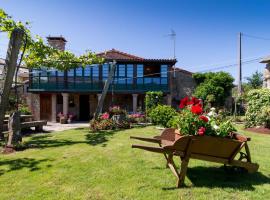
x: 63, y: 120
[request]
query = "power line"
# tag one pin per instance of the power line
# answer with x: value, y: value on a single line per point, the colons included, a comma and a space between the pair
x: 255, y: 37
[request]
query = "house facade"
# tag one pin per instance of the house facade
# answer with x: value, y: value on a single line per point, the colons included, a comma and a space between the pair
x: 266, y: 73
x: 77, y: 91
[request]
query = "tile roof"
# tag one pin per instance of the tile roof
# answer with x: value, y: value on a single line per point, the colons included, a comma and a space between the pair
x: 265, y: 60
x: 183, y: 71
x: 117, y: 55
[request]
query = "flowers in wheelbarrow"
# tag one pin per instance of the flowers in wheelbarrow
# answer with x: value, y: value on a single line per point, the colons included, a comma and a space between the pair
x: 192, y: 120
x: 201, y: 131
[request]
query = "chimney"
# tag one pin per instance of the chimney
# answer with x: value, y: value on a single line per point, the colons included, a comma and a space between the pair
x: 58, y: 42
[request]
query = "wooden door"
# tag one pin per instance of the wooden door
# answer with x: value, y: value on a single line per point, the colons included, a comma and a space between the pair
x: 45, y: 107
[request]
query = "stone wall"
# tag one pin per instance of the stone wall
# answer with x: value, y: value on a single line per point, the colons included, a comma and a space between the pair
x: 181, y: 85
x: 266, y: 76
x: 33, y: 101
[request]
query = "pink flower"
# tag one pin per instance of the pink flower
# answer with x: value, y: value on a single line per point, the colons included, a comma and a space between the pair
x: 105, y: 116
x: 201, y: 131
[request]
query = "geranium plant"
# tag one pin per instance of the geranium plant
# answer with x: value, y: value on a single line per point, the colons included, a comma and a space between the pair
x: 193, y: 120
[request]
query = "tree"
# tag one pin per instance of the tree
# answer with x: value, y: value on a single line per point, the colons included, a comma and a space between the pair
x: 255, y: 81
x: 212, y: 87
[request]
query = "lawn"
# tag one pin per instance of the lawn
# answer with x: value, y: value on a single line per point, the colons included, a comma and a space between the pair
x: 76, y: 164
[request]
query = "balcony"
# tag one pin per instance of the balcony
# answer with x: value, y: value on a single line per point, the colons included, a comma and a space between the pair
x: 139, y: 85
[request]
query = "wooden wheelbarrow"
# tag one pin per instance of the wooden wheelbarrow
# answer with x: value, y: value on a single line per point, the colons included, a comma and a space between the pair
x: 208, y: 148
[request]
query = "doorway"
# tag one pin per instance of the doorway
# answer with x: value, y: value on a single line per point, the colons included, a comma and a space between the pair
x: 45, y: 107
x: 84, y: 108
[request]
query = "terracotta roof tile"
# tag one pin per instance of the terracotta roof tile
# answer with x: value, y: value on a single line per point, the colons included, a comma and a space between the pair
x: 114, y: 54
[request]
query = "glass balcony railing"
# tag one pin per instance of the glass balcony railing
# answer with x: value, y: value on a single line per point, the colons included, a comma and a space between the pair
x: 87, y: 85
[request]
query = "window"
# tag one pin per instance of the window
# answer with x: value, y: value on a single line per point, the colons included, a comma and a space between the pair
x: 121, y: 71
x: 70, y: 73
x: 95, y: 72
x: 121, y: 74
x: 35, y: 72
x: 139, y: 70
x: 52, y: 72
x: 105, y: 71
x: 79, y: 71
x: 87, y: 71
x: 139, y: 74
x: 60, y: 73
x: 164, y: 71
x: 129, y: 73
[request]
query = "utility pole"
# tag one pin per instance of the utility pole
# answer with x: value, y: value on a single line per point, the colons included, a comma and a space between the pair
x: 105, y: 89
x: 14, y: 46
x: 240, y: 66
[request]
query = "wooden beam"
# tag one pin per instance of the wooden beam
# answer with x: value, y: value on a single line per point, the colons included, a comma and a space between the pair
x: 105, y: 90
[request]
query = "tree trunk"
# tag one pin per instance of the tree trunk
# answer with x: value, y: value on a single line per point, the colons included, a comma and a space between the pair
x: 14, y: 46
x: 14, y: 129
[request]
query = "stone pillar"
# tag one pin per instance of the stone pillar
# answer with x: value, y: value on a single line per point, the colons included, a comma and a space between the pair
x: 35, y: 106
x: 134, y: 102
x: 169, y: 99
x: 54, y: 102
x: 65, y: 103
x: 99, y: 96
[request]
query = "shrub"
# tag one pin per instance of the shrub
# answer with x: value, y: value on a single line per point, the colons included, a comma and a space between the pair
x: 24, y: 109
x: 162, y: 114
x: 152, y: 100
x: 258, y: 101
x: 101, y: 124
x: 212, y: 87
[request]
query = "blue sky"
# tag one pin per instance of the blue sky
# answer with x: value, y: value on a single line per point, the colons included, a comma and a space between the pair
x: 206, y: 29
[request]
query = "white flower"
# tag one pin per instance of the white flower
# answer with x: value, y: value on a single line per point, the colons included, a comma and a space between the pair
x: 216, y: 127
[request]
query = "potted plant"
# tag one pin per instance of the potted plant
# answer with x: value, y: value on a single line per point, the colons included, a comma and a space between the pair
x: 117, y: 113
x: 62, y: 118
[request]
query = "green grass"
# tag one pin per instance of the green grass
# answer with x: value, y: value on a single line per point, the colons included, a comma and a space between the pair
x: 76, y: 164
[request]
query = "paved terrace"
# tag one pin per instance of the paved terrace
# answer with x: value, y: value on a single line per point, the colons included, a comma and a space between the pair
x: 55, y: 127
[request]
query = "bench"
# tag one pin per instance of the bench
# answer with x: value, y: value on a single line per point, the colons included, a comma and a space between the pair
x: 37, y: 124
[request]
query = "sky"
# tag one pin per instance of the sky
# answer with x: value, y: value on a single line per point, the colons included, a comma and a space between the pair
x: 206, y: 30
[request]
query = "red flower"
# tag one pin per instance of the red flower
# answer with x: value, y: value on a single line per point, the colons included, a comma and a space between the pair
x: 194, y: 101
x: 183, y: 103
x: 197, y: 109
x: 202, y: 117
x: 201, y: 131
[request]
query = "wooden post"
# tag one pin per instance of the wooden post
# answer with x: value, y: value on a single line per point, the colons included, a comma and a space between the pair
x: 105, y: 90
x: 14, y: 46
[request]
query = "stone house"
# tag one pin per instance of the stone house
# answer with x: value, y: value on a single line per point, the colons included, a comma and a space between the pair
x: 77, y: 91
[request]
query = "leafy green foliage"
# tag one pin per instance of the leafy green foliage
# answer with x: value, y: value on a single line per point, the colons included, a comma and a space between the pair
x: 255, y: 81
x: 258, y: 102
x: 162, y: 114
x: 152, y: 99
x: 213, y: 87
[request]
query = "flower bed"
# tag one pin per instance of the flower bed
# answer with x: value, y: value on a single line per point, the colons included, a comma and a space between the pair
x: 116, y: 118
